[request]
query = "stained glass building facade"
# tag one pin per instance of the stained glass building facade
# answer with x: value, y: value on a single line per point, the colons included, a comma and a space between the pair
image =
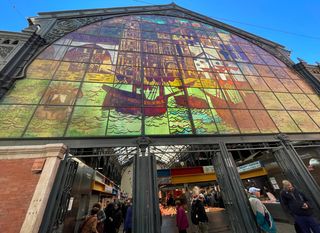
x: 156, y: 75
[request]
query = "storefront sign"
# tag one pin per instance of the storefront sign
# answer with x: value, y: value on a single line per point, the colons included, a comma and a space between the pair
x: 164, y: 180
x: 208, y: 169
x: 249, y: 166
x: 108, y: 189
x: 274, y: 183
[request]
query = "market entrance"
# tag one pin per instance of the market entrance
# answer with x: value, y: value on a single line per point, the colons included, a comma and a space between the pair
x: 220, y: 170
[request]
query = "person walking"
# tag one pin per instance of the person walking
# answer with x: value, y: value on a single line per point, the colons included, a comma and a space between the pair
x: 101, y: 217
x: 90, y: 223
x: 128, y: 220
x: 263, y: 216
x: 198, y: 214
x: 181, y: 218
x: 297, y: 205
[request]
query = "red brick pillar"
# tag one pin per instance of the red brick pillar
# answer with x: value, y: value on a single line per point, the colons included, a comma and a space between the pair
x: 27, y: 174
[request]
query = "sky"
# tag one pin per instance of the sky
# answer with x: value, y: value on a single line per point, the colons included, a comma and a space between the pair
x: 292, y: 23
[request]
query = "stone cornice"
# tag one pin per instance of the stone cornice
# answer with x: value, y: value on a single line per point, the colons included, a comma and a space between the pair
x: 36, y: 151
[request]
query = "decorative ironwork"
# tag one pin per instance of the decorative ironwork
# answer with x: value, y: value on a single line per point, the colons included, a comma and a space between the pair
x: 5, y: 51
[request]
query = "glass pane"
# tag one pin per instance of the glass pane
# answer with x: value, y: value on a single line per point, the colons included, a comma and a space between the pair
x: 288, y: 101
x: 280, y: 73
x: 224, y: 121
x: 92, y: 94
x: 88, y: 121
x: 203, y: 121
x: 197, y: 98
x: 216, y: 98
x: 257, y: 83
x: 264, y: 70
x: 79, y: 54
x: 263, y: 121
x: 248, y: 69
x: 26, y: 91
x: 305, y: 102
x: 41, y: 69
x: 315, y: 99
x: 61, y: 93
x: 14, y: 119
x: 284, y: 122
x: 234, y: 99
x: 49, y: 121
x: 291, y: 85
x: 53, y: 52
x: 124, y: 122
x: 101, y: 73
x: 245, y: 122
x: 315, y: 117
x: 179, y: 121
x: 70, y: 71
x: 156, y: 121
x: 269, y: 100
x: 305, y: 86
x: 251, y: 99
x: 304, y: 121
x: 275, y: 84
x: 241, y: 82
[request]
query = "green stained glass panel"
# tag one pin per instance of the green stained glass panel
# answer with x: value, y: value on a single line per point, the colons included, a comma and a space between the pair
x: 26, y: 91
x: 14, y: 119
x: 120, y: 123
x: 61, y: 93
x: 203, y: 121
x: 284, y: 122
x: 304, y: 121
x: 88, y: 121
x: 49, y: 121
x: 92, y: 94
x: 179, y: 121
x: 156, y: 124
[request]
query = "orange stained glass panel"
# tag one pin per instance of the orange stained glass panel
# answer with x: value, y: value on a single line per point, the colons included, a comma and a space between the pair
x: 275, y: 84
x: 251, y: 99
x: 263, y: 121
x: 245, y: 122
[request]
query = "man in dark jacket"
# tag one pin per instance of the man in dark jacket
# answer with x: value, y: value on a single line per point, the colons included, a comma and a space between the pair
x: 297, y: 205
x: 200, y: 217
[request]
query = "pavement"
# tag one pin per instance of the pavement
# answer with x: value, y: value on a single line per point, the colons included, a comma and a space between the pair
x: 218, y: 223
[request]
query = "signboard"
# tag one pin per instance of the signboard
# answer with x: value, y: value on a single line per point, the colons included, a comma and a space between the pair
x: 249, y: 166
x: 208, y: 169
x: 108, y: 189
x: 164, y: 180
x: 274, y: 183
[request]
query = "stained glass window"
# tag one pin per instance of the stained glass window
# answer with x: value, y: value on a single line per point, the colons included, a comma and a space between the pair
x: 156, y: 75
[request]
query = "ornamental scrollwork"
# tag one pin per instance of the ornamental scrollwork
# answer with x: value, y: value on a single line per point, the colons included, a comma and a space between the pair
x: 62, y: 27
x: 4, y: 51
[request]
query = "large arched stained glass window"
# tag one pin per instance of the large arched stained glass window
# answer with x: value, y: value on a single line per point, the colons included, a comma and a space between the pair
x: 156, y: 75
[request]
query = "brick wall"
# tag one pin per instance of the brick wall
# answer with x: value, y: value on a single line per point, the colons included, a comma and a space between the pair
x: 18, y: 184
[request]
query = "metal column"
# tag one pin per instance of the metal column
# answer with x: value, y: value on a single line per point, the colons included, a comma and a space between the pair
x: 296, y: 171
x: 146, y: 213
x: 236, y: 202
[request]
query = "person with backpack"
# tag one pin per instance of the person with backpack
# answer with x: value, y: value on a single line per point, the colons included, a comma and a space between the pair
x: 198, y: 214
